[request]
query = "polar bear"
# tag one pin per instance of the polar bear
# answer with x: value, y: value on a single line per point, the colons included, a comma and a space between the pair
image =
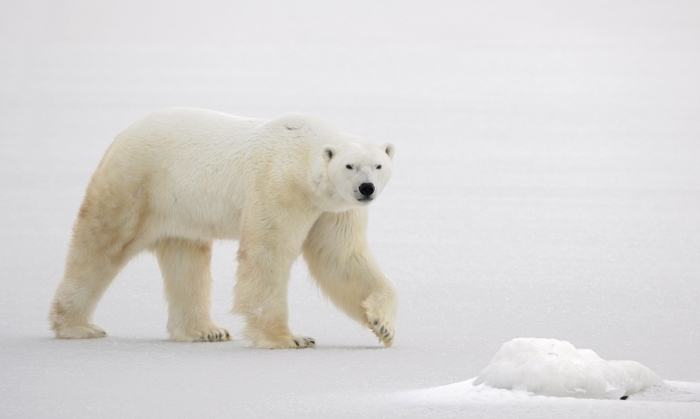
x: 180, y: 178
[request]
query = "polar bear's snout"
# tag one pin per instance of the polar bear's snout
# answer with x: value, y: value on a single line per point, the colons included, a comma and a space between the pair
x: 366, y: 189
x: 365, y: 192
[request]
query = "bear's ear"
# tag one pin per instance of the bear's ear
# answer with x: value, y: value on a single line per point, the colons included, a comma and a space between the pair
x: 389, y: 149
x: 328, y: 152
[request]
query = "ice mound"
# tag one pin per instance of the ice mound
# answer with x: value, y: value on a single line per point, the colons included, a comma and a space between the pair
x: 552, y: 367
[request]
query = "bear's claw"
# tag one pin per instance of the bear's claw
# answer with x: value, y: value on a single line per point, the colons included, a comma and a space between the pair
x: 299, y: 342
x: 380, y: 311
x: 285, y: 342
x: 211, y: 335
x: 384, y: 332
x: 306, y: 342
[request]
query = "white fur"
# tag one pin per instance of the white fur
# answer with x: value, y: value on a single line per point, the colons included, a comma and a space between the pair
x: 180, y: 178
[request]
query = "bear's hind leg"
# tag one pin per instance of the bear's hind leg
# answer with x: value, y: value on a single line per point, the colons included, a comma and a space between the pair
x: 86, y: 279
x: 95, y: 256
x: 185, y: 268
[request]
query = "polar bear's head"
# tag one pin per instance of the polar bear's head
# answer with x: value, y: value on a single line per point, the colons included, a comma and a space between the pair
x: 359, y: 171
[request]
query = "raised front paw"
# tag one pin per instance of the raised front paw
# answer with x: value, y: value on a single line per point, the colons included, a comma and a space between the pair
x: 380, y: 312
x: 383, y: 330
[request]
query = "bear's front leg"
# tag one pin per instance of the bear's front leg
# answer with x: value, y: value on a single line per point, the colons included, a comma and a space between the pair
x: 261, y: 297
x: 265, y: 257
x: 339, y: 259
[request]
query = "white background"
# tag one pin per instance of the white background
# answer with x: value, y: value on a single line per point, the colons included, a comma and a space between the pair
x: 546, y: 184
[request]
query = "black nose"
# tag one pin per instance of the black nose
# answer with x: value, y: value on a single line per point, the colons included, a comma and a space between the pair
x: 366, y: 189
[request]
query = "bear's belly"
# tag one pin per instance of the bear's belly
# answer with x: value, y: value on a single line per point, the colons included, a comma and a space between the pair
x: 199, y: 222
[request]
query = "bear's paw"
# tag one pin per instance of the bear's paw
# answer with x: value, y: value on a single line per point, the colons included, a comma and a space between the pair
x: 383, y: 330
x: 90, y: 331
x: 208, y: 334
x: 380, y: 310
x: 286, y: 342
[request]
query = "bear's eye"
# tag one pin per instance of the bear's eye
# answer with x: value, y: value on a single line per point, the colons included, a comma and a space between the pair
x: 379, y: 166
x: 348, y: 166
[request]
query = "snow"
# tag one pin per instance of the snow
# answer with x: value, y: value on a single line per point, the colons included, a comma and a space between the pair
x: 546, y: 183
x: 468, y: 393
x: 551, y: 367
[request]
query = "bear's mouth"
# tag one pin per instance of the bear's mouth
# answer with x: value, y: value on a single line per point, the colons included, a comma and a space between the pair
x: 365, y: 199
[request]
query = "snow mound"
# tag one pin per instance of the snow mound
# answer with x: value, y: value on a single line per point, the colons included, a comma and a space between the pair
x: 552, y: 367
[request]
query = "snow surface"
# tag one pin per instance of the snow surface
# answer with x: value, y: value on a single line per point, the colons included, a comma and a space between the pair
x: 546, y: 183
x: 468, y: 393
x: 551, y: 367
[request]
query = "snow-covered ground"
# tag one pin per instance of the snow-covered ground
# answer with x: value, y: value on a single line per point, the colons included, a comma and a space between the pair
x: 551, y: 367
x: 546, y: 184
